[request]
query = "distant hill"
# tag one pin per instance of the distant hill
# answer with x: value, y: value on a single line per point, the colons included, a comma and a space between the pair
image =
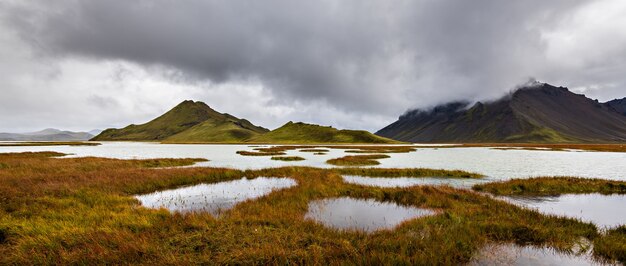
x: 618, y: 104
x: 308, y: 133
x: 536, y: 113
x: 187, y: 122
x: 95, y: 132
x: 49, y: 134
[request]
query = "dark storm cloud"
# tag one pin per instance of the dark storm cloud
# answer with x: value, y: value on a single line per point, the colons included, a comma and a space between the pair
x: 369, y: 57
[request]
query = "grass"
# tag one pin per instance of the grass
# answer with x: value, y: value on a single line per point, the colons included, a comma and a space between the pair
x: 612, y: 244
x: 314, y: 150
x: 552, y: 186
x: 358, y: 160
x: 81, y: 211
x: 406, y: 172
x: 288, y: 158
x: 555, y: 146
x: 253, y: 153
x: 48, y: 143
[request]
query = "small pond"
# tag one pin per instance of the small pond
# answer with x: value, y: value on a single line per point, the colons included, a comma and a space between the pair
x: 214, y: 198
x: 362, y: 214
x: 513, y: 254
x: 602, y: 210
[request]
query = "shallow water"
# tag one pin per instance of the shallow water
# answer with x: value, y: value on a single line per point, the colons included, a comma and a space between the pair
x: 512, y: 254
x: 363, y: 215
x: 605, y: 211
x: 390, y: 182
x: 497, y: 164
x: 214, y: 198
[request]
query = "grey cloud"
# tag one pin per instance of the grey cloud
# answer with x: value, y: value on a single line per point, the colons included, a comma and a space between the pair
x: 365, y: 57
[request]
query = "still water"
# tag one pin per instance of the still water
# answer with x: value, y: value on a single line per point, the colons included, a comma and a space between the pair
x: 397, y: 182
x: 496, y: 164
x: 363, y: 215
x: 512, y: 254
x: 214, y: 198
x: 605, y: 211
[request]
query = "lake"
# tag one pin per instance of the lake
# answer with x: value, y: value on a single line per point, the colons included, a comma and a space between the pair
x: 496, y: 164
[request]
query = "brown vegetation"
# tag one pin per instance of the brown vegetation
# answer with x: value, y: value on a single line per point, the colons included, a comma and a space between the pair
x: 81, y: 211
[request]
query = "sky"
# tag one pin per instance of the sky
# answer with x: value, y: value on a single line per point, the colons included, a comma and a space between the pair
x: 92, y: 64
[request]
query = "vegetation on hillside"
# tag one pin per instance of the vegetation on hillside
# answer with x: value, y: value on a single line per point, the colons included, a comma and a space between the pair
x: 187, y: 122
x: 81, y: 211
x: 301, y: 133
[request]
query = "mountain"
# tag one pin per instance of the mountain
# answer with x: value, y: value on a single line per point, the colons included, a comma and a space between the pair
x: 49, y: 134
x: 308, y: 133
x: 618, y: 104
x: 535, y: 113
x: 189, y: 121
x: 95, y: 132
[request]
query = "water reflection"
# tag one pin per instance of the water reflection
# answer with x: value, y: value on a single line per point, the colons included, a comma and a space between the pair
x: 512, y: 254
x: 389, y: 182
x: 359, y: 214
x: 602, y: 210
x: 214, y: 198
x: 497, y: 164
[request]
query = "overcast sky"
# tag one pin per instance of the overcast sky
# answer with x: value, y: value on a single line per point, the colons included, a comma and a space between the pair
x: 85, y: 64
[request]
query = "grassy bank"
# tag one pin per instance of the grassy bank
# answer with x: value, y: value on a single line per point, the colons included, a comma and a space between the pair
x: 81, y: 211
x: 617, y: 147
x: 358, y: 160
x: 552, y: 186
x: 611, y: 244
x: 287, y: 158
x: 259, y: 153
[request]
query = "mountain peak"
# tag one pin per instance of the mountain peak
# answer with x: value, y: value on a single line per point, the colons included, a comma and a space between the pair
x: 535, y: 112
x: 188, y: 121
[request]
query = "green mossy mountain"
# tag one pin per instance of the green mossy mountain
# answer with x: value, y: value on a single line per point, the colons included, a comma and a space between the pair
x: 538, y: 112
x: 291, y: 133
x: 187, y: 122
x: 196, y: 122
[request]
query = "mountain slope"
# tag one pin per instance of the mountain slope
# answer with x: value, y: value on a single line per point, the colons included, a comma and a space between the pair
x: 308, y: 133
x: 618, y: 104
x: 229, y: 130
x: 49, y: 134
x: 537, y: 113
x: 187, y: 122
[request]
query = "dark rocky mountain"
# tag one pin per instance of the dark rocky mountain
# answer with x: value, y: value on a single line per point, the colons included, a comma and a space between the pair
x: 188, y: 122
x: 535, y: 113
x: 49, y: 134
x: 618, y: 104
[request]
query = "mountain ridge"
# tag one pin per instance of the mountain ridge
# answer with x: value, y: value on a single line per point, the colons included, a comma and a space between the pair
x: 48, y: 134
x: 536, y: 113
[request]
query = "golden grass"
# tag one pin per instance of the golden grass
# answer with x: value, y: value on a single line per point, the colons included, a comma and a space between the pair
x: 357, y: 160
x: 552, y: 186
x: 81, y: 211
x: 252, y: 153
x: 556, y: 146
x: 288, y: 158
